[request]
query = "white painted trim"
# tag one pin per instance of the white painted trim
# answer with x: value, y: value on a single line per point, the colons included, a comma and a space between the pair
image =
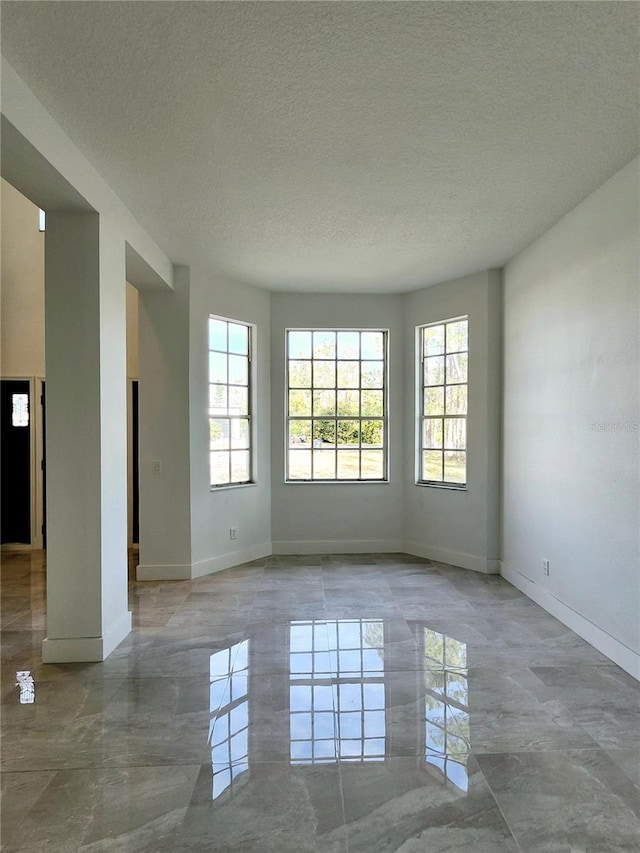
x: 181, y: 572
x: 116, y: 633
x: 338, y: 546
x: 612, y: 648
x: 455, y: 558
x: 229, y: 560
x: 86, y: 649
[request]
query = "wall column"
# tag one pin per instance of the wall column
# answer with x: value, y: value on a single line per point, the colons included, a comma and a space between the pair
x: 86, y: 442
x: 165, y: 481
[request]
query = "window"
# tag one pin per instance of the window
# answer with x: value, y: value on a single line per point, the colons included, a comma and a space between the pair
x: 20, y: 410
x: 443, y: 355
x: 336, y: 405
x: 230, y: 433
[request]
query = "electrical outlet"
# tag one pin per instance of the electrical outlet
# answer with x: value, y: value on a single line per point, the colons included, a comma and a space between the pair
x: 233, y: 533
x: 545, y: 567
x: 156, y: 466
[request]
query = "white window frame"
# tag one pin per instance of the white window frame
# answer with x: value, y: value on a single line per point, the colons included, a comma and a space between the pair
x: 384, y: 418
x: 421, y: 479
x: 213, y: 416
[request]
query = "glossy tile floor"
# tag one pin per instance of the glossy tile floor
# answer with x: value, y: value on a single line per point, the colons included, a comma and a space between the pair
x: 356, y: 703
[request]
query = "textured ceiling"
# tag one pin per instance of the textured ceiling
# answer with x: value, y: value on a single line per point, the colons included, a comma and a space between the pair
x: 339, y: 146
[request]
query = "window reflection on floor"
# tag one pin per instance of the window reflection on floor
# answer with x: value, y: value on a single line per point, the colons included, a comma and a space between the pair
x: 337, y: 691
x: 446, y: 707
x: 229, y: 707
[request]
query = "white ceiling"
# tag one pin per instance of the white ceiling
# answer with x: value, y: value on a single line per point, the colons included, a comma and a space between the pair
x: 355, y: 147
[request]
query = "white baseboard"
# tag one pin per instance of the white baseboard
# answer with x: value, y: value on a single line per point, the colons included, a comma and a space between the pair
x: 338, y: 546
x: 455, y: 558
x: 161, y: 572
x: 229, y: 560
x: 616, y: 651
x: 86, y: 649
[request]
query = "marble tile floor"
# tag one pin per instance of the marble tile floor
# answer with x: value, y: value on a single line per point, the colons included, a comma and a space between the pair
x: 318, y: 703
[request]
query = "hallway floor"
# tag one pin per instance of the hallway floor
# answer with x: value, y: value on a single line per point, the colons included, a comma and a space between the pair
x: 325, y: 703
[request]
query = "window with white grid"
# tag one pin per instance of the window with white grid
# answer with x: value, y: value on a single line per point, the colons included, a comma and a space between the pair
x: 336, y: 405
x: 230, y: 420
x: 443, y: 392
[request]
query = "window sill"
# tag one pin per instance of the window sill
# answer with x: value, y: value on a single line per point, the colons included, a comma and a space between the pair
x: 336, y: 482
x: 225, y: 487
x: 448, y: 486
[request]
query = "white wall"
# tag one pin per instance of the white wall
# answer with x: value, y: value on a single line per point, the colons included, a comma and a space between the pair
x: 22, y: 290
x: 328, y: 517
x: 571, y: 416
x: 165, y: 511
x: 454, y: 525
x: 246, y: 508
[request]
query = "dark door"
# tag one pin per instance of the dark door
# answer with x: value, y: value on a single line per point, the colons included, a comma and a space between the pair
x: 43, y: 403
x: 15, y: 458
x: 135, y: 473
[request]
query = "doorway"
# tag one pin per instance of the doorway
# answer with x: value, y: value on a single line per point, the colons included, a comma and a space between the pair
x: 16, y: 425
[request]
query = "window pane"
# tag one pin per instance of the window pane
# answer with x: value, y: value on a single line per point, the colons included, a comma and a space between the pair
x: 434, y: 370
x: 299, y: 464
x: 432, y: 433
x: 217, y: 334
x: 372, y: 344
x: 299, y: 374
x: 348, y: 345
x: 299, y: 344
x: 372, y: 403
x: 324, y: 432
x: 457, y: 367
x: 434, y: 401
x: 239, y: 400
x: 372, y: 433
x: 240, y: 434
x: 219, y: 434
x: 348, y: 464
x: 457, y: 400
x: 299, y: 432
x: 372, y: 465
x: 455, y: 467
x: 219, y: 463
x: 455, y: 433
x: 373, y: 374
x: 348, y: 403
x: 457, y: 336
x: 324, y: 374
x: 348, y: 433
x: 434, y: 340
x: 324, y: 403
x: 217, y: 367
x: 432, y: 465
x: 324, y: 464
x: 238, y: 338
x: 324, y: 344
x: 239, y: 466
x: 238, y: 370
x: 299, y: 402
x: 348, y: 374
x: 218, y: 399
